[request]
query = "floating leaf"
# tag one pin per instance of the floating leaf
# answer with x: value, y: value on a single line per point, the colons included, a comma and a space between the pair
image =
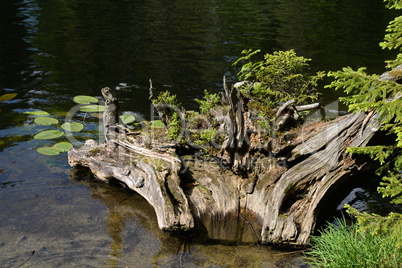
x: 157, y: 123
x: 63, y: 146
x: 92, y: 108
x: 45, y: 121
x: 48, y: 151
x: 97, y: 115
x: 48, y: 134
x: 7, y: 97
x: 127, y: 118
x: 83, y: 99
x: 56, y: 149
x: 42, y: 113
x: 72, y: 126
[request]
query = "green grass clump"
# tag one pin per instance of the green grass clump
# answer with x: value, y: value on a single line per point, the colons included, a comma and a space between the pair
x: 340, y: 245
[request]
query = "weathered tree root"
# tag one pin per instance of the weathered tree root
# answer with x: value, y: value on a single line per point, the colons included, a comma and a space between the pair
x: 278, y: 201
x: 144, y: 172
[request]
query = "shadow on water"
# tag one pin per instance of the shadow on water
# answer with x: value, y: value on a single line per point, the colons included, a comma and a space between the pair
x: 359, y: 191
x: 53, y: 50
x: 175, y: 250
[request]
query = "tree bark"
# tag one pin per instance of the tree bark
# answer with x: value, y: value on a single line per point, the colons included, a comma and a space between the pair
x: 237, y: 142
x: 151, y: 173
x: 274, y: 194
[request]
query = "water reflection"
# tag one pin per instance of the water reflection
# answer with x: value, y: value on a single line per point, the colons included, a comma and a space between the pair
x: 14, y: 47
x: 85, y: 45
x: 121, y: 209
x: 129, y: 216
x: 334, y: 33
x: 52, y: 50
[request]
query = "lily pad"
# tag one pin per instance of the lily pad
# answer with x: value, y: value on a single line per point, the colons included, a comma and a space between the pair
x: 56, y: 149
x: 72, y: 126
x: 45, y: 121
x: 48, y: 151
x: 92, y: 108
x: 49, y: 134
x: 97, y: 115
x: 7, y: 97
x: 157, y: 123
x: 41, y: 113
x: 127, y: 118
x: 83, y: 99
x: 63, y: 146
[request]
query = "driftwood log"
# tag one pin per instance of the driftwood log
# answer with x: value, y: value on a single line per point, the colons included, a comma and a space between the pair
x: 272, y: 188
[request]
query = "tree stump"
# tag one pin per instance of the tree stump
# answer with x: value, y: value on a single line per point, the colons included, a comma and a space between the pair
x: 273, y: 190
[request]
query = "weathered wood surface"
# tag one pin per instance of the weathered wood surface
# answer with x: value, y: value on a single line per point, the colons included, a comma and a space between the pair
x: 236, y: 143
x: 138, y: 168
x: 277, y: 196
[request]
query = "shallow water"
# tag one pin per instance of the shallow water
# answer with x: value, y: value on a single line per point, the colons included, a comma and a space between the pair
x: 51, y: 51
x: 49, y: 220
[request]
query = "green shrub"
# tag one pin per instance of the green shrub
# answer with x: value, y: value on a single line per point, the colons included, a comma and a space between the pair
x: 280, y: 77
x: 169, y: 106
x: 205, y: 136
x: 345, y: 246
x: 208, y: 102
x: 167, y: 99
x: 174, y: 127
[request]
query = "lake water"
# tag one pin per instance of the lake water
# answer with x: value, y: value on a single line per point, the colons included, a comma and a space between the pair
x: 53, y: 50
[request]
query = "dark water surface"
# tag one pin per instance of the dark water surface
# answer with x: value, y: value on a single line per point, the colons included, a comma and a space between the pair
x: 53, y: 50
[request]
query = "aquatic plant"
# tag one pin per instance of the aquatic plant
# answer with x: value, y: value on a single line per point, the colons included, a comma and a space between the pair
x: 157, y: 123
x: 7, y: 97
x: 67, y: 127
